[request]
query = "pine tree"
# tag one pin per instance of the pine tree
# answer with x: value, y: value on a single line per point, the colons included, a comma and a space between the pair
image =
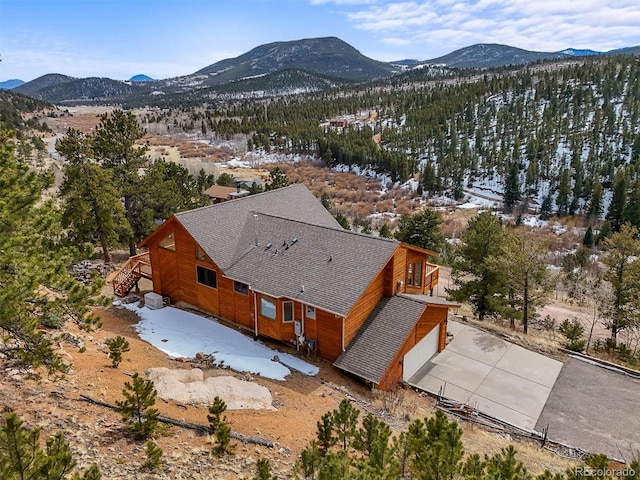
x: 385, y: 231
x: 325, y: 434
x: 91, y: 202
x: 154, y: 453
x: 473, y: 279
x: 623, y: 270
x: 512, y: 193
x: 277, y: 179
x: 140, y: 396
x: 263, y: 470
x: 115, y: 146
x: 421, y: 229
x: 219, y: 427
x: 226, y: 180
x: 372, y: 439
x: 588, y: 240
x: 35, y: 259
x: 117, y: 346
x: 618, y: 202
x: 436, y: 447
x: 344, y: 420
x: 21, y: 456
x: 523, y: 262
x: 343, y: 221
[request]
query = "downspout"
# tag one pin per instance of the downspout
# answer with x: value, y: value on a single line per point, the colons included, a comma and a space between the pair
x: 255, y: 313
x: 343, y: 318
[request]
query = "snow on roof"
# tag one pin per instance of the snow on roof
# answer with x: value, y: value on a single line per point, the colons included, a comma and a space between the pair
x: 183, y: 334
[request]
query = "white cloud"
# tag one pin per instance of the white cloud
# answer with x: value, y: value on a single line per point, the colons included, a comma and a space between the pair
x: 545, y: 25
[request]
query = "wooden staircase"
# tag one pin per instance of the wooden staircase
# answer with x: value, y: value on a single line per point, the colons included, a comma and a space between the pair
x: 137, y: 267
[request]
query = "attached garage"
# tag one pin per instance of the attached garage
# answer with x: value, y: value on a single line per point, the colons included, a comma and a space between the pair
x: 421, y: 353
x: 399, y: 336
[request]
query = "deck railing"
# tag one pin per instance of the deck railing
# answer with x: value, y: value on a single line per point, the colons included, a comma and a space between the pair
x: 432, y: 274
x: 135, y: 267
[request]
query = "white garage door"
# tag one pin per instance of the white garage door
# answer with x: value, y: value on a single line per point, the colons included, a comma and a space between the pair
x: 418, y: 355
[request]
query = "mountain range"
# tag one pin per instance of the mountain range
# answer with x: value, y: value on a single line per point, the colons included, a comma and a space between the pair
x: 282, y: 67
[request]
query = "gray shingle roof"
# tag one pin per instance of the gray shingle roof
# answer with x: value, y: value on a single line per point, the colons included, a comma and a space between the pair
x: 333, y: 265
x: 378, y: 341
x: 325, y: 267
x: 218, y: 228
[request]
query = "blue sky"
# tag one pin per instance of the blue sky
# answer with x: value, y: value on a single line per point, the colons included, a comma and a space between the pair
x: 167, y: 38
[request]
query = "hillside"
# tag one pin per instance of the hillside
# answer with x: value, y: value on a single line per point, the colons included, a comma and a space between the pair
x: 490, y: 55
x: 325, y: 56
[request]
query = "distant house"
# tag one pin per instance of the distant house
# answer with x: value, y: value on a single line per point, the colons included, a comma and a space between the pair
x: 219, y: 193
x: 279, y: 264
x: 338, y: 122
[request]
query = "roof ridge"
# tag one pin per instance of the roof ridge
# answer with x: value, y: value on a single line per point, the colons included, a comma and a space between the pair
x: 362, y: 235
x: 236, y: 200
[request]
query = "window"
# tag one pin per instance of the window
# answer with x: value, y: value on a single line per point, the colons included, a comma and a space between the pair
x: 268, y: 307
x: 287, y: 312
x: 311, y: 312
x: 417, y: 279
x: 201, y: 255
x: 207, y: 277
x: 240, y: 287
x: 414, y: 274
x: 168, y: 243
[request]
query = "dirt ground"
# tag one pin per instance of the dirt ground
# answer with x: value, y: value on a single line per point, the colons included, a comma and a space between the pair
x: 97, y: 434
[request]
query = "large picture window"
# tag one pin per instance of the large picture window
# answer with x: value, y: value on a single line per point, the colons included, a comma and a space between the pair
x: 207, y: 277
x: 268, y: 307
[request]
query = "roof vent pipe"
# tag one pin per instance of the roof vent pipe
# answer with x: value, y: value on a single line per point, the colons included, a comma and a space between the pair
x: 255, y: 218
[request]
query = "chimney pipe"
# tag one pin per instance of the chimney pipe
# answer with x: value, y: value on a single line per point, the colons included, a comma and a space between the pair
x: 255, y: 219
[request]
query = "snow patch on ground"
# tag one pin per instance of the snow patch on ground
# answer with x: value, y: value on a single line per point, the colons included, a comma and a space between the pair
x: 183, y: 334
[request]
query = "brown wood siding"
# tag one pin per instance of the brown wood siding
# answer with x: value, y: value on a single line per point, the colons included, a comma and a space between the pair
x: 227, y: 299
x: 329, y: 335
x: 363, y: 307
x: 400, y: 268
x: 389, y: 278
x: 242, y: 308
x: 394, y: 371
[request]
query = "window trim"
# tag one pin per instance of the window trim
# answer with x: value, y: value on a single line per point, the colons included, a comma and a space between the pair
x: 201, y: 255
x: 271, y: 300
x: 417, y: 280
x: 284, y: 312
x: 410, y: 269
x: 171, y: 247
x: 202, y: 268
x: 311, y: 309
x: 242, y: 291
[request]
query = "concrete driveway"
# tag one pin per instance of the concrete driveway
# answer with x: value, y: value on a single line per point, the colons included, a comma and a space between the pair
x: 490, y: 374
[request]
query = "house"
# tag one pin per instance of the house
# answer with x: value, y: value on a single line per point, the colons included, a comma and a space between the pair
x: 280, y: 265
x: 220, y: 193
x: 338, y: 122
